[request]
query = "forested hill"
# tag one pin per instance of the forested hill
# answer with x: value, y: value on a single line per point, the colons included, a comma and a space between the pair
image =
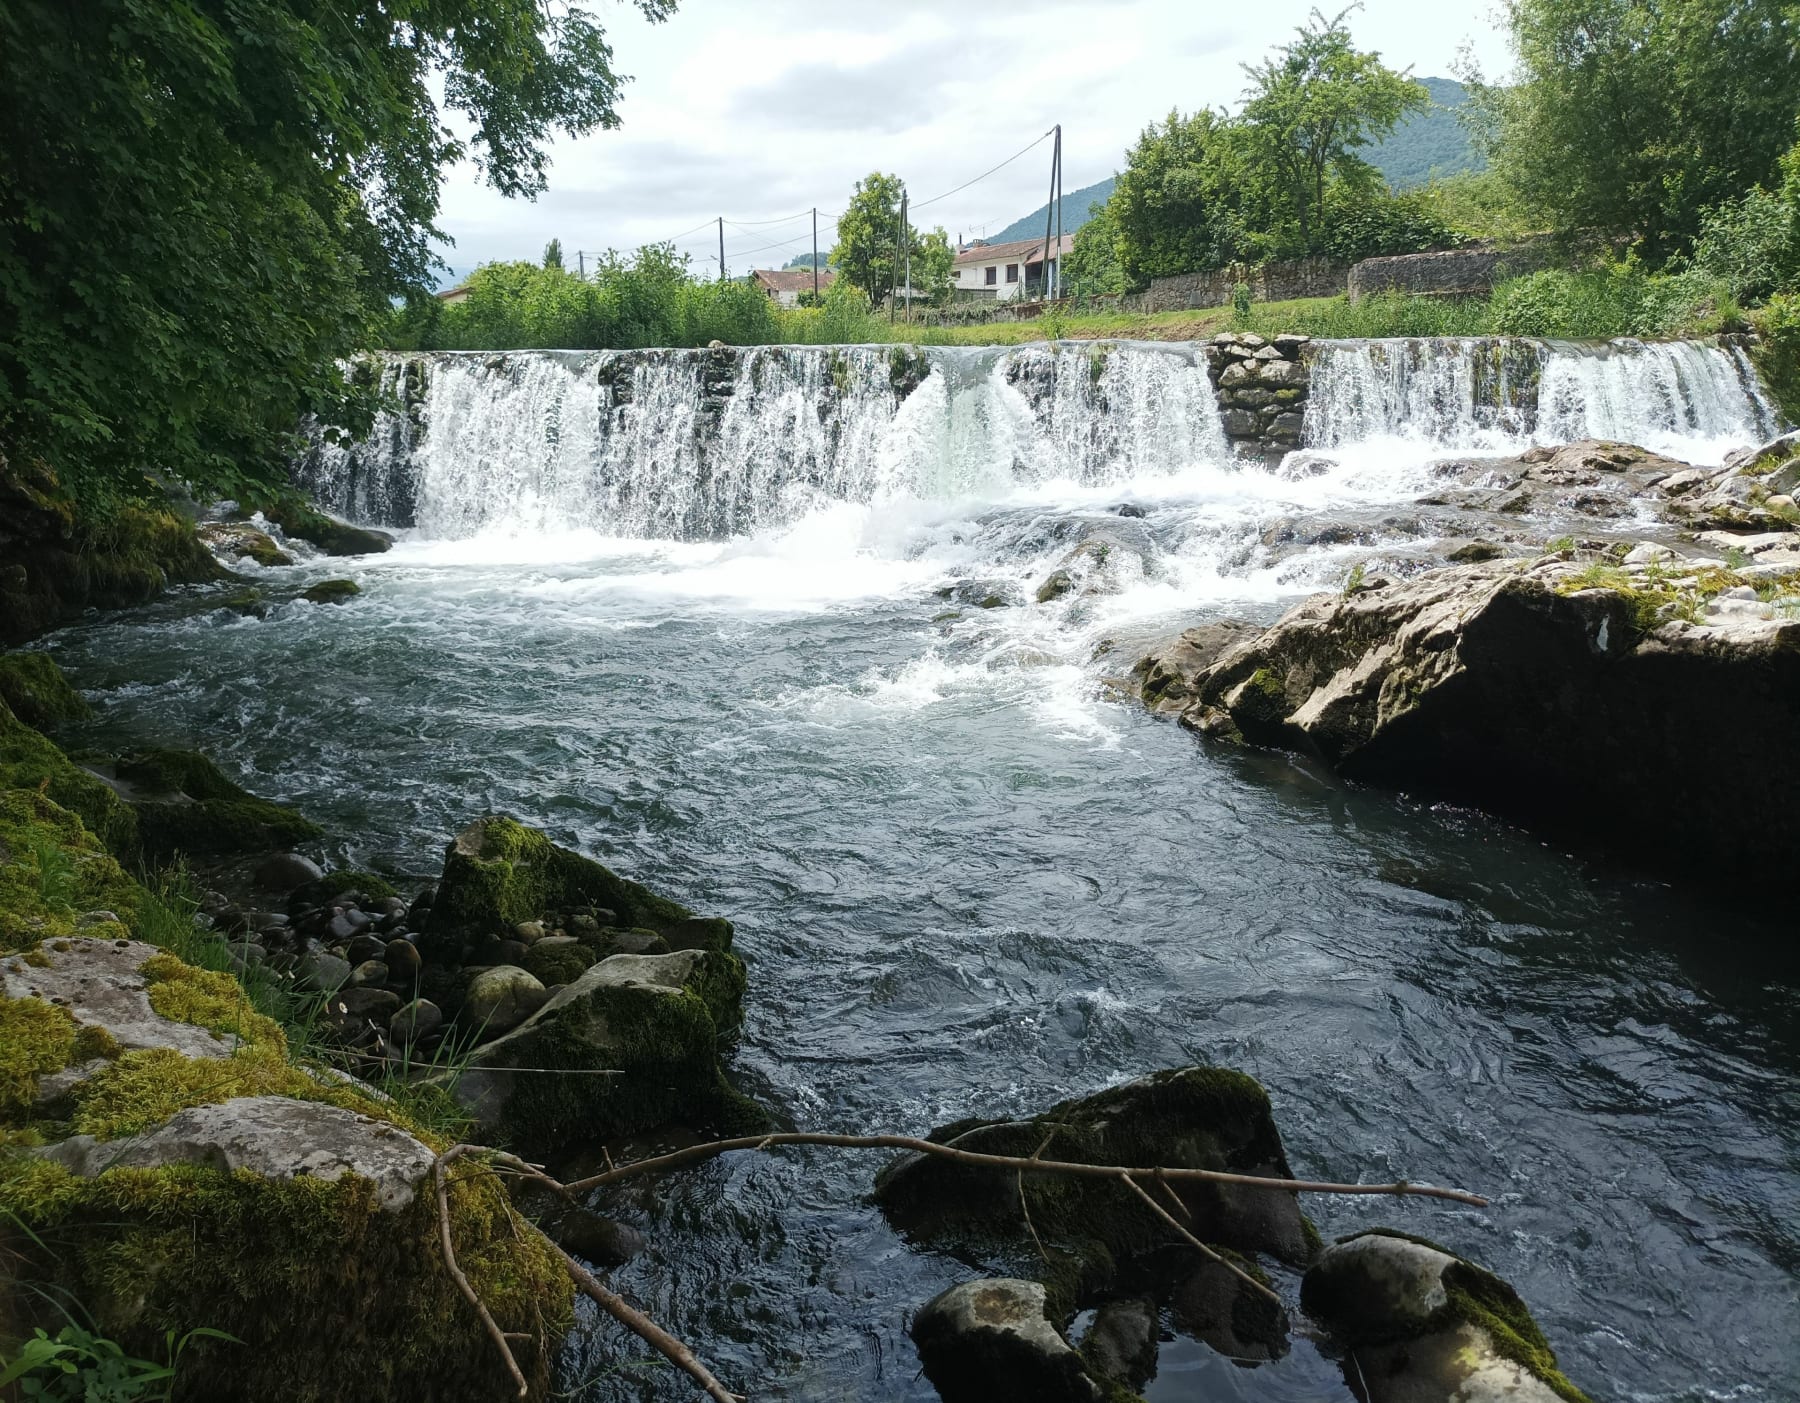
x: 1075, y: 213
x: 1432, y: 142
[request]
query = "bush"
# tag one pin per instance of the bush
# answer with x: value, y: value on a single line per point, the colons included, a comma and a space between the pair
x: 1374, y: 225
x: 1777, y: 354
x: 1618, y: 300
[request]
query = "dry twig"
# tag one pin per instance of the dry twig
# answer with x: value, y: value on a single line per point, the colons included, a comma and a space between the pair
x: 1193, y: 1241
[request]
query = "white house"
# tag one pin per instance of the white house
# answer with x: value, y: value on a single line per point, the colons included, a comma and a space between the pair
x: 1006, y: 271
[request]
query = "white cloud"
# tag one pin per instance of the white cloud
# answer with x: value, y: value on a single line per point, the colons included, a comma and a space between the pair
x: 761, y: 111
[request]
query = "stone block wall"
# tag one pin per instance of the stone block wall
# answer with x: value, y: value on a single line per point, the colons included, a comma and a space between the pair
x: 1461, y: 272
x: 1269, y: 282
x: 1262, y: 387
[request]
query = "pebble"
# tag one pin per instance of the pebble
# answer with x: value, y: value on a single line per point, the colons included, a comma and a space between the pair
x: 402, y: 960
x: 370, y: 972
x: 282, y: 872
x: 322, y: 973
x: 365, y: 947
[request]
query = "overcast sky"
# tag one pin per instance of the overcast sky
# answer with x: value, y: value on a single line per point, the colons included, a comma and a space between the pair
x: 758, y: 110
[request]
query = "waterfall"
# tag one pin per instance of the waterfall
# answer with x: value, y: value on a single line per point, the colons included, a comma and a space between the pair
x: 1496, y: 393
x: 708, y: 444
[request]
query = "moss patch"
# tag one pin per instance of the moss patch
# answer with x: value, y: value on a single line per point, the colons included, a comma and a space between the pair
x: 29, y: 760
x: 188, y: 806
x: 208, y: 999
x: 305, y: 522
x: 338, y: 881
x: 36, y: 1039
x: 499, y: 873
x: 52, y: 870
x: 36, y: 690
x: 331, y: 592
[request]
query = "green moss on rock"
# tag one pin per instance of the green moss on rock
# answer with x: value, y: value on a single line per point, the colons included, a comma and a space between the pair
x: 331, y: 592
x: 498, y: 873
x: 29, y: 760
x: 36, y: 1038
x: 338, y: 881
x: 305, y: 522
x: 37, y: 692
x: 185, y: 804
x: 52, y: 870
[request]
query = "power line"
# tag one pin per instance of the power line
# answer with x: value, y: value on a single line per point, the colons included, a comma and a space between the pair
x: 984, y: 175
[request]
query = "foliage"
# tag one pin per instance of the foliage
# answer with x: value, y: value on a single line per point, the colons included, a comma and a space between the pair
x: 1313, y: 105
x: 934, y: 266
x: 1633, y: 117
x: 1753, y: 242
x: 1091, y: 266
x: 83, y: 1367
x: 1363, y: 223
x: 1184, y: 200
x: 1618, y: 300
x: 868, y: 243
x: 646, y: 299
x: 1477, y: 205
x: 1778, y: 352
x: 207, y: 205
x: 553, y: 257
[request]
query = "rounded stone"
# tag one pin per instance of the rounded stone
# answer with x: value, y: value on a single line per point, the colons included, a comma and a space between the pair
x: 411, y: 1022
x: 499, y: 999
x: 282, y: 872
x: 370, y: 972
x: 402, y: 960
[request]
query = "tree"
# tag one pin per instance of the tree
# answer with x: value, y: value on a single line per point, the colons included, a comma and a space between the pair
x: 1633, y: 117
x: 553, y: 254
x: 868, y: 236
x: 1754, y: 242
x: 204, y: 206
x: 934, y: 266
x: 1091, y: 267
x: 1180, y: 203
x: 1312, y: 105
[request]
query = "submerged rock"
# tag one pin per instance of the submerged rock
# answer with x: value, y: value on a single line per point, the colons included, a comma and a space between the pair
x: 306, y: 523
x: 990, y: 1342
x: 1097, y: 1234
x: 243, y: 542
x: 1583, y: 698
x: 1423, y: 1325
x: 331, y: 592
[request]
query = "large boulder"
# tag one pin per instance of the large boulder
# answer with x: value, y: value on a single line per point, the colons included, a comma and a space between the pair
x: 237, y: 540
x: 639, y: 1038
x: 1422, y: 1325
x: 304, y: 522
x: 1644, y: 708
x: 36, y: 690
x: 990, y: 1342
x: 185, y: 804
x: 1089, y: 1237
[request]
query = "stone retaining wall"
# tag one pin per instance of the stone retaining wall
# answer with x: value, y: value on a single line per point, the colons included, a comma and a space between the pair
x: 1268, y: 282
x: 1462, y: 272
x: 1262, y: 387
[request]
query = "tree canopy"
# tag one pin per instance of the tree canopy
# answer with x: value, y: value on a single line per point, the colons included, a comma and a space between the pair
x: 204, y: 206
x: 869, y: 253
x: 1631, y: 118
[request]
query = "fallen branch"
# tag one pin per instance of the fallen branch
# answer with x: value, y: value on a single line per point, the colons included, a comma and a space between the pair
x: 694, y: 1154
x: 1193, y: 1241
x: 647, y: 1330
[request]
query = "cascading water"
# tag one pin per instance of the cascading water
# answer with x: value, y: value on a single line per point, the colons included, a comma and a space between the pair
x: 694, y: 445
x: 1497, y: 393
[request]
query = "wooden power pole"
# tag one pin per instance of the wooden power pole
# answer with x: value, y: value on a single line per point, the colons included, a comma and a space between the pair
x: 906, y: 239
x: 1050, y: 211
x: 815, y: 255
x: 721, y: 248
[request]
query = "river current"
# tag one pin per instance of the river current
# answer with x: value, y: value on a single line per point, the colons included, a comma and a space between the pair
x: 965, y: 881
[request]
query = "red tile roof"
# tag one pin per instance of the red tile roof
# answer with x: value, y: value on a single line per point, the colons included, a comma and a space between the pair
x: 1019, y: 251
x: 792, y: 279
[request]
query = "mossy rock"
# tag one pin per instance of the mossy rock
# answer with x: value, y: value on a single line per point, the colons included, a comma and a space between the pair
x: 498, y: 873
x: 331, y: 592
x: 29, y: 760
x: 1091, y: 1228
x: 153, y: 1246
x: 1425, y: 1322
x: 559, y: 962
x: 36, y: 690
x: 52, y: 870
x: 657, y: 1020
x: 184, y: 804
x: 305, y: 522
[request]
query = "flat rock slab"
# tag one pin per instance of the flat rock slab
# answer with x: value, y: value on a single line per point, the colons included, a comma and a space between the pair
x: 98, y: 984
x: 273, y: 1136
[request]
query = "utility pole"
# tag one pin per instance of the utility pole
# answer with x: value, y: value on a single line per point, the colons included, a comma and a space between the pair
x: 904, y: 236
x: 721, y: 248
x: 815, y: 255
x: 581, y: 265
x: 894, y: 269
x: 1050, y: 209
x: 1058, y: 281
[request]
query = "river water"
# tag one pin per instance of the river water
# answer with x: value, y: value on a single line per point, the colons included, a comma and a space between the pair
x: 966, y: 882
